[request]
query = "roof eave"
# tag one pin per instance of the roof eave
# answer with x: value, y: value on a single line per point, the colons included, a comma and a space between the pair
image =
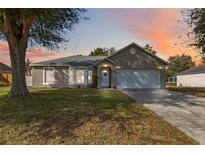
x: 2, y: 71
x: 103, y: 60
x: 47, y: 65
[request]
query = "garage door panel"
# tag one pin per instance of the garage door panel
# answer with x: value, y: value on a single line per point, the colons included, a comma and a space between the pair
x: 138, y: 79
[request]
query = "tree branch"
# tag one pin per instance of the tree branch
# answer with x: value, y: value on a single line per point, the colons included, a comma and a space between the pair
x: 1, y: 26
x: 7, y: 27
x: 27, y: 23
x: 1, y: 23
x: 8, y: 31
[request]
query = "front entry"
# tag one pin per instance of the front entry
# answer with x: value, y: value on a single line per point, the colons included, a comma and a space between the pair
x: 105, y: 78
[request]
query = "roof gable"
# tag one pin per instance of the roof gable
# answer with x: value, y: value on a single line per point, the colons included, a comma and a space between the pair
x: 142, y: 49
x: 4, y: 67
x: 135, y: 57
x: 103, y: 60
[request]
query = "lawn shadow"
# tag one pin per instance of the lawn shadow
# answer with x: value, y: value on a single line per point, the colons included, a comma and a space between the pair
x: 82, y: 116
x: 52, y: 113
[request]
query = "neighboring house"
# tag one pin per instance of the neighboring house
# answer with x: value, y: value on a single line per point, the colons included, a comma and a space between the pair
x: 172, y: 79
x: 129, y: 67
x: 5, y: 74
x: 194, y: 77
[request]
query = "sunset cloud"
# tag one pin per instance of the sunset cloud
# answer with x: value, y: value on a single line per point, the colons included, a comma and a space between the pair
x: 33, y: 54
x: 3, y: 46
x: 118, y: 27
x: 161, y: 27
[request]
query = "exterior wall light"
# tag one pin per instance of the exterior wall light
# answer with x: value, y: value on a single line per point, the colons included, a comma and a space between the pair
x: 117, y: 67
x: 105, y: 65
x: 104, y: 71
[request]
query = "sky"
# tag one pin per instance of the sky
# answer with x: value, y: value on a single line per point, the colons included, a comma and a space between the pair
x: 117, y: 28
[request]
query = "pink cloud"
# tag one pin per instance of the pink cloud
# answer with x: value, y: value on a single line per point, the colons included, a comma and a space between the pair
x: 162, y: 27
x: 3, y: 46
x: 33, y: 54
x: 39, y: 54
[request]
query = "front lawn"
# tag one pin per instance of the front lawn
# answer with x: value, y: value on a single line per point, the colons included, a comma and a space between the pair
x: 192, y: 91
x: 82, y: 116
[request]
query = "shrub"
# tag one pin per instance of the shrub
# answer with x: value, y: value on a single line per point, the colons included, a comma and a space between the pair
x: 94, y: 81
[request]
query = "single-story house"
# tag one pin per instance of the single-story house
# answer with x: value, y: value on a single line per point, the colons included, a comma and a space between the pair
x: 5, y: 74
x: 129, y: 67
x: 194, y: 77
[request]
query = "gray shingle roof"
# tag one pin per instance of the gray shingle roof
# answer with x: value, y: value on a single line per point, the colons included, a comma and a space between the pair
x: 4, y: 67
x: 71, y: 61
x: 195, y: 70
x: 87, y: 60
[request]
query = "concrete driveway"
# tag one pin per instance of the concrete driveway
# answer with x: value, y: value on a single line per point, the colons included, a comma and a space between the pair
x: 186, y: 112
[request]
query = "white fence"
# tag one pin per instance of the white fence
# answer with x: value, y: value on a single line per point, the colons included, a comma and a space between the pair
x: 29, y: 80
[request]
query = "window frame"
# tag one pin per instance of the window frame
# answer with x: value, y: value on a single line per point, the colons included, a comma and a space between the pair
x: 53, y: 70
x: 90, y: 81
x: 81, y: 76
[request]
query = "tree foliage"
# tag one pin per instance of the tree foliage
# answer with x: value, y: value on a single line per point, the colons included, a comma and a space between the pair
x: 195, y: 18
x: 46, y: 27
x: 179, y: 63
x: 102, y: 51
x: 150, y: 49
x: 203, y: 59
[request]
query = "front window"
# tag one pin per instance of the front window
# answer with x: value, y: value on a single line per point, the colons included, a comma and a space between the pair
x: 90, y: 73
x: 71, y: 73
x: 48, y: 76
x: 80, y: 76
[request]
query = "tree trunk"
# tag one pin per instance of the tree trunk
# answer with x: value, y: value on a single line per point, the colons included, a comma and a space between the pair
x: 17, y: 56
x: 17, y: 33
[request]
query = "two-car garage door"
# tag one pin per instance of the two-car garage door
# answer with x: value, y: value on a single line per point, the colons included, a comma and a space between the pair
x: 138, y: 78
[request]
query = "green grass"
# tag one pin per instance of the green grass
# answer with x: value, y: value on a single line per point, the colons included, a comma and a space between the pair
x: 171, y: 84
x: 189, y: 90
x: 4, y: 90
x: 82, y: 116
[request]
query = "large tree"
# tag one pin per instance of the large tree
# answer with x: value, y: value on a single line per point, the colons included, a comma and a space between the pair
x: 195, y: 18
x: 149, y: 48
x: 102, y: 51
x: 179, y: 63
x: 44, y: 27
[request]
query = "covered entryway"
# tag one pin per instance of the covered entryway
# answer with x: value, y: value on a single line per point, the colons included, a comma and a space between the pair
x: 105, y: 73
x: 131, y: 79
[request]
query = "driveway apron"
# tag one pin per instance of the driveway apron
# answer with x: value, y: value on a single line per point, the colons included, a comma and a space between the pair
x: 186, y: 112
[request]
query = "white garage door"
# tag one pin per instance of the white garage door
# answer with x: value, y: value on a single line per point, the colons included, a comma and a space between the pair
x: 138, y: 79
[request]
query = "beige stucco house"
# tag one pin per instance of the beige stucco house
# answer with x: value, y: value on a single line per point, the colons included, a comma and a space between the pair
x: 129, y: 67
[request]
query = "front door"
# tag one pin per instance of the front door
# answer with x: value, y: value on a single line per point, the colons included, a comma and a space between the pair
x: 105, y: 77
